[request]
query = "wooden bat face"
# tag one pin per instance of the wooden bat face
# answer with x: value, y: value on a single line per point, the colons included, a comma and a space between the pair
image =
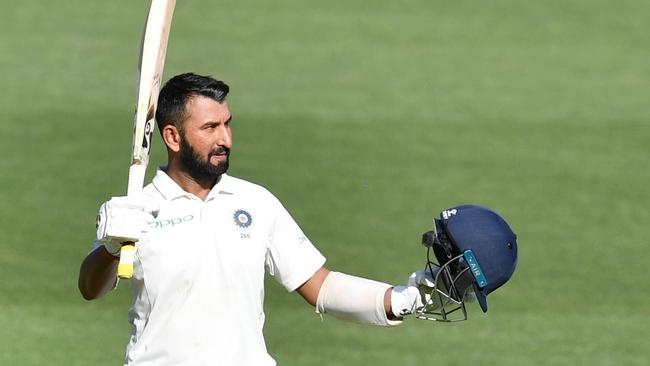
x: 150, y: 69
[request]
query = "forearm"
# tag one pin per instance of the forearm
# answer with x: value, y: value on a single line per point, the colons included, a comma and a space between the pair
x: 97, y: 274
x: 356, y: 299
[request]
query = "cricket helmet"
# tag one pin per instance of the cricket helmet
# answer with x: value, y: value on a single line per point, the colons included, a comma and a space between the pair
x: 476, y: 253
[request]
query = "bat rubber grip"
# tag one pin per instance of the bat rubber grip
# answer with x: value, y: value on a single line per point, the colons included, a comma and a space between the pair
x: 125, y: 267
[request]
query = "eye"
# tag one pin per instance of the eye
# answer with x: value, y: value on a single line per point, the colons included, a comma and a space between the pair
x: 510, y: 245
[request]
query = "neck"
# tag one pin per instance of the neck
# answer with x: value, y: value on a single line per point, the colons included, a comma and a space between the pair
x: 196, y: 186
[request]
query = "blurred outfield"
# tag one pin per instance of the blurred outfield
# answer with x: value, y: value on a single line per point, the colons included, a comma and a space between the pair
x: 366, y: 119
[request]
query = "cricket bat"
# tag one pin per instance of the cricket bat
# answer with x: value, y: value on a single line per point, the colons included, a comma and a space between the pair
x: 150, y: 70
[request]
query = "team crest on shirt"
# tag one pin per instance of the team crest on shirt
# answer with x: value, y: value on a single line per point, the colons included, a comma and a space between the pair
x: 242, y: 219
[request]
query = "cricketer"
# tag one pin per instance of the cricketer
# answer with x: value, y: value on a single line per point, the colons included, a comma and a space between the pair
x: 205, y: 240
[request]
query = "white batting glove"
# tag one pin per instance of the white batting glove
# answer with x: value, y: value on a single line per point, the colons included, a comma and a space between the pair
x: 123, y: 219
x: 415, y: 295
x: 404, y: 300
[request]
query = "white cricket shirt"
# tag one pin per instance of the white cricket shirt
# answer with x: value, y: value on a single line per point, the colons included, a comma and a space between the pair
x: 198, y: 286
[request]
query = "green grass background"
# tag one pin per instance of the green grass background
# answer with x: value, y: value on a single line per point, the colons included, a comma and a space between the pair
x: 366, y: 119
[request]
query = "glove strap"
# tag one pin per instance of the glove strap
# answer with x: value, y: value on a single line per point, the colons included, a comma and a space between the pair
x: 108, y: 254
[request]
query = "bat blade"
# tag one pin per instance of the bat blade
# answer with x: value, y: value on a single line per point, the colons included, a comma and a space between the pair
x: 151, y: 63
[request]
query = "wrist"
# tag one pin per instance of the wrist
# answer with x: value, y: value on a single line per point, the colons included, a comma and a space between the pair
x: 108, y: 254
x: 111, y: 247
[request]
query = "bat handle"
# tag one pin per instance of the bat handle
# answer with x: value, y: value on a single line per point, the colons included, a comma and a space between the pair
x: 127, y: 254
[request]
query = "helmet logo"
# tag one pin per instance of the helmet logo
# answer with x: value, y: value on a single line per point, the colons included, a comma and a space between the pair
x: 446, y: 214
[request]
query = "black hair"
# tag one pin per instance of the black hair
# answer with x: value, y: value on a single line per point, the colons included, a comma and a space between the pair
x: 174, y: 95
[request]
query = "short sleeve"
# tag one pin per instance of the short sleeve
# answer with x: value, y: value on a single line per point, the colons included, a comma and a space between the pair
x: 292, y: 259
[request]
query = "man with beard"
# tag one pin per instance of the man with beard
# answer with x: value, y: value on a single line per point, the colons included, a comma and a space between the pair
x: 204, y: 241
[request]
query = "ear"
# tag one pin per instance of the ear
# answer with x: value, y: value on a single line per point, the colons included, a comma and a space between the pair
x: 172, y: 137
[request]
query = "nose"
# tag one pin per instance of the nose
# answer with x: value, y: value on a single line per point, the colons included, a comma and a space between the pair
x: 226, y: 137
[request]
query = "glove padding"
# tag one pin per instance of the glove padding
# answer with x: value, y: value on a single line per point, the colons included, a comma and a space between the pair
x: 415, y: 295
x: 123, y: 219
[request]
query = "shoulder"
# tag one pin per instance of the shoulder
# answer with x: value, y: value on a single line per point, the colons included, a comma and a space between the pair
x: 239, y: 185
x: 245, y: 188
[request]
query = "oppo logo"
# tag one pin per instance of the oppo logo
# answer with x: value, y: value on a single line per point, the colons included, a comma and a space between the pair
x: 170, y: 222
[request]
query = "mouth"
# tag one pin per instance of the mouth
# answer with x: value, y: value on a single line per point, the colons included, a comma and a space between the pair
x: 219, y: 155
x: 217, y: 159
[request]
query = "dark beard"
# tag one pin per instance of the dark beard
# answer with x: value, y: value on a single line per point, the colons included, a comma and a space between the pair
x: 201, y: 169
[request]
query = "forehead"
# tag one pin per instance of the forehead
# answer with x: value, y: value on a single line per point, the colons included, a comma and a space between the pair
x: 201, y: 109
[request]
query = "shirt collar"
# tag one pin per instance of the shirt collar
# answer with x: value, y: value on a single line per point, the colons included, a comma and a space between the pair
x: 171, y: 190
